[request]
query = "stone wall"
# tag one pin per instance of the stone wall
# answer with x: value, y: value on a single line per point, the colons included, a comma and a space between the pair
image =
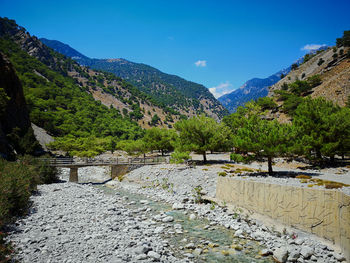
x: 325, y: 213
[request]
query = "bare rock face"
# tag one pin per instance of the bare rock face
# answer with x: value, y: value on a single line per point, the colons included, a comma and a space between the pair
x: 14, y: 115
x: 31, y: 44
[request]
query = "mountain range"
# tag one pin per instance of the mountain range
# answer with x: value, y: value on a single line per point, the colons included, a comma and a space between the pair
x: 257, y: 87
x: 168, y: 91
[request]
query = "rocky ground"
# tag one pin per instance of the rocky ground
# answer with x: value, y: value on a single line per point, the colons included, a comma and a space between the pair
x: 176, y: 184
x: 79, y: 223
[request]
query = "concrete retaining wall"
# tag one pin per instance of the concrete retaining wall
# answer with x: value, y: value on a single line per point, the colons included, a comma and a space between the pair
x: 325, y: 213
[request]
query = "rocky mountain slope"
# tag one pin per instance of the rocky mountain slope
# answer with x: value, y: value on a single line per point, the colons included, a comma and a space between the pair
x: 325, y: 74
x: 257, y: 87
x: 16, y: 134
x: 333, y: 67
x: 170, y: 92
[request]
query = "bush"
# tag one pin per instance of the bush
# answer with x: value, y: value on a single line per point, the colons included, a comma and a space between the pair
x: 17, y: 181
x: 266, y: 103
x: 314, y: 81
x: 320, y: 62
x: 179, y: 157
x: 294, y: 66
x: 291, y: 103
x: 238, y: 158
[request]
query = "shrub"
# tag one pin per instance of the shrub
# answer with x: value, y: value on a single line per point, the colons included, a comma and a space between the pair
x: 266, y: 103
x: 314, y: 81
x: 223, y: 174
x: 320, y: 62
x: 284, y: 86
x: 17, y: 181
x: 240, y: 158
x: 294, y: 66
x: 179, y: 157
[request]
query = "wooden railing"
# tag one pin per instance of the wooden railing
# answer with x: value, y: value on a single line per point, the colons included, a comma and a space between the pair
x: 66, y: 161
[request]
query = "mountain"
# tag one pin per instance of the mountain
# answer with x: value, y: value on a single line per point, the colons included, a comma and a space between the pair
x: 257, y: 87
x: 63, y: 49
x: 169, y: 92
x: 60, y: 93
x: 251, y: 90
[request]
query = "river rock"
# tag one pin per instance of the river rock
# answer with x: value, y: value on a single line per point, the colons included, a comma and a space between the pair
x: 154, y: 255
x: 293, y: 256
x: 238, y: 233
x: 178, y: 206
x: 168, y: 219
x: 280, y: 255
x: 339, y: 257
x: 192, y: 216
x: 158, y: 230
x: 306, y: 252
x: 190, y: 246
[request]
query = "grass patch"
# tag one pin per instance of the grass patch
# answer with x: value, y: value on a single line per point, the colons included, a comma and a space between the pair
x: 303, y: 176
x: 223, y: 174
x: 328, y: 184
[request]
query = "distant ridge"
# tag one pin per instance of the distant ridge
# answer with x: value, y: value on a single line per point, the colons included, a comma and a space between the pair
x: 255, y: 88
x: 168, y: 90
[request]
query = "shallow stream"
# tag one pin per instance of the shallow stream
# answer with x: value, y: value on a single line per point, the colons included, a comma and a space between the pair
x: 217, y: 244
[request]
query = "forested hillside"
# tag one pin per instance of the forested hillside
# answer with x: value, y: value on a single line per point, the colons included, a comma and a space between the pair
x: 170, y: 92
x: 56, y: 101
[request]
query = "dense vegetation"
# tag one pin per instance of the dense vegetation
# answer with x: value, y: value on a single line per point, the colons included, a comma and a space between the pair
x: 18, y: 180
x: 62, y: 107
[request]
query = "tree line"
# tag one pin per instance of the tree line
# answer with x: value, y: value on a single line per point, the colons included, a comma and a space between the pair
x: 318, y: 131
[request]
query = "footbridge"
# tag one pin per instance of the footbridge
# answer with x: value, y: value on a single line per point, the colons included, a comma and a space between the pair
x: 118, y: 166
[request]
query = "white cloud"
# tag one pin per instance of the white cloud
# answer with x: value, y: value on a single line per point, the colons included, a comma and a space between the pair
x: 221, y: 89
x: 201, y: 63
x: 311, y: 47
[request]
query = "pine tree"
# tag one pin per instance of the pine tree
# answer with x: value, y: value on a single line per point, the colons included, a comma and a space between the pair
x: 263, y: 138
x: 196, y: 134
x: 323, y: 129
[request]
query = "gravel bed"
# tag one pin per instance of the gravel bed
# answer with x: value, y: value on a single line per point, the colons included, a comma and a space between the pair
x: 78, y: 223
x: 174, y: 184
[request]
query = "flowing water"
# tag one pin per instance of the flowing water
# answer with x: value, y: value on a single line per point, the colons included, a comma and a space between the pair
x: 218, y: 244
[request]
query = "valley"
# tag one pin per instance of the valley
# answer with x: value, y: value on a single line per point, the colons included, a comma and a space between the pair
x: 261, y: 174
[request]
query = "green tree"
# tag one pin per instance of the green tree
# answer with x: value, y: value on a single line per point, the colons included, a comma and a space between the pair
x: 195, y: 134
x: 136, y: 147
x: 323, y: 129
x: 160, y: 139
x: 155, y: 120
x: 221, y: 139
x: 263, y: 138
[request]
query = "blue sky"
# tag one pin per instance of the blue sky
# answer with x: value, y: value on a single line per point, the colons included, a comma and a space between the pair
x: 220, y: 44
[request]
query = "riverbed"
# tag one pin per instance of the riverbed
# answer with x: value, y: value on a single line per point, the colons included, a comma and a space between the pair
x: 150, y: 216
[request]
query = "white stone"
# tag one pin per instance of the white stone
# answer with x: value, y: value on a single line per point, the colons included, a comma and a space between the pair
x: 306, y: 252
x: 168, y: 219
x: 280, y: 255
